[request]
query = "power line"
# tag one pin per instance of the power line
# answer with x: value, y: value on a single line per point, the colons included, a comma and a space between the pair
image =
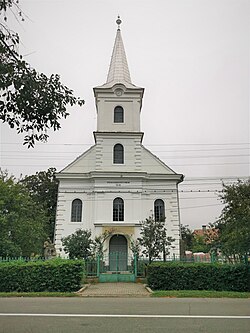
x: 143, y: 164
x: 197, y: 198
x: 128, y: 159
x: 202, y: 206
x: 158, y: 151
x: 148, y: 145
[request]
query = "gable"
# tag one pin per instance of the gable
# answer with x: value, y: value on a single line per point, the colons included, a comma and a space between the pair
x: 84, y: 163
x: 152, y: 164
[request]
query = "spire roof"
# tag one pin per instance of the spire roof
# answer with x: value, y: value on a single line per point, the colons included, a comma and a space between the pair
x: 118, y: 68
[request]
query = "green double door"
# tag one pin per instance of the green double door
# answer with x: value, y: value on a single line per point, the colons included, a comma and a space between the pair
x: 118, y: 253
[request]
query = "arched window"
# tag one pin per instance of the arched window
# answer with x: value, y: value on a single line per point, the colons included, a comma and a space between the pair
x: 118, y: 155
x: 118, y: 209
x: 118, y: 114
x: 159, y: 210
x: 76, y: 211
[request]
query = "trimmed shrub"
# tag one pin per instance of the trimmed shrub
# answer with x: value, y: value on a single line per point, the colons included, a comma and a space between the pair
x: 198, y: 276
x: 51, y: 275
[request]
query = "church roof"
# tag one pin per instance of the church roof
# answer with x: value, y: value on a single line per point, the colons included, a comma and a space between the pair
x: 118, y: 68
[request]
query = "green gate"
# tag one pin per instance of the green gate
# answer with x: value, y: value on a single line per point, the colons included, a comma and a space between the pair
x: 118, y: 261
x: 117, y: 267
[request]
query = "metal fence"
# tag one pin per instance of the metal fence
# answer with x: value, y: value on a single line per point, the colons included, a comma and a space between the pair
x: 121, y: 262
x: 21, y: 259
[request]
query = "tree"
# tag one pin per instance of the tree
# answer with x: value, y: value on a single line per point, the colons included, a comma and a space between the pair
x: 234, y: 223
x: 154, y: 239
x: 43, y: 189
x: 21, y: 220
x: 166, y: 243
x: 135, y: 247
x: 98, y: 243
x: 30, y: 101
x: 199, y: 244
x: 186, y: 239
x: 78, y: 245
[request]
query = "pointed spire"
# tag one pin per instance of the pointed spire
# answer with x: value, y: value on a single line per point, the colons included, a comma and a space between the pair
x: 118, y: 69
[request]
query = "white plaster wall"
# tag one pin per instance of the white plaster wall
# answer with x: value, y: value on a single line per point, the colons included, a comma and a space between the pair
x: 105, y: 111
x: 100, y: 156
x: 97, y: 197
x: 84, y: 163
x: 132, y: 153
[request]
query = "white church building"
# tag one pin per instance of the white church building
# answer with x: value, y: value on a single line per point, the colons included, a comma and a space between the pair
x: 117, y: 183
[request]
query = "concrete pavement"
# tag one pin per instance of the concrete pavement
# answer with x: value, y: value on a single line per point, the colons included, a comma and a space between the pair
x: 118, y: 289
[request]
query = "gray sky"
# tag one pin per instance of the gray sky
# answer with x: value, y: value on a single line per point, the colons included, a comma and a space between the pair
x: 192, y: 58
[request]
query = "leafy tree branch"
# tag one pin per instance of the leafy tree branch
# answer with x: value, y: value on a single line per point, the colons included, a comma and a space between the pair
x: 30, y: 102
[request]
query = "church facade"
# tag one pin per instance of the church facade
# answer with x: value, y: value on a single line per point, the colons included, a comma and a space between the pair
x: 117, y: 183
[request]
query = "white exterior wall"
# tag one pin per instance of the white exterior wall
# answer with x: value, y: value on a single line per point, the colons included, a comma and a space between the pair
x: 97, y: 196
x: 130, y: 101
x: 132, y: 152
x: 97, y: 181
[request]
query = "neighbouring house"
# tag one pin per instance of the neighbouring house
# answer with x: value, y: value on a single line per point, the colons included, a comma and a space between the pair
x: 117, y: 183
x: 209, y: 234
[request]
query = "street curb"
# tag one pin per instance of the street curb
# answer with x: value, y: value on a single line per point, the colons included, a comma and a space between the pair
x: 148, y: 289
x: 83, y: 288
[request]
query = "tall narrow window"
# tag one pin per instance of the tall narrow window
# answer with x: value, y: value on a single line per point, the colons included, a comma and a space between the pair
x: 118, y: 156
x: 159, y: 210
x: 118, y: 209
x: 76, y: 210
x: 118, y: 114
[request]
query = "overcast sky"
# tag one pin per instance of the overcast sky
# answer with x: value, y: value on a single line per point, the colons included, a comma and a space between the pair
x: 192, y: 58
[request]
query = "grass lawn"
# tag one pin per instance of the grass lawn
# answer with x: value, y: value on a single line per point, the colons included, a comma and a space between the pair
x: 200, y: 294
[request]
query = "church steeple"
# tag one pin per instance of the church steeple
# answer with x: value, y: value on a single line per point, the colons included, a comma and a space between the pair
x: 118, y: 68
x: 118, y: 101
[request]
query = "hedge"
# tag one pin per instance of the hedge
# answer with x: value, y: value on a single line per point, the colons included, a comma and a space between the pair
x: 51, y: 275
x: 198, y: 276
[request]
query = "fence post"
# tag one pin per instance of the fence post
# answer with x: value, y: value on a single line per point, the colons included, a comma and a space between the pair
x: 135, y: 265
x: 98, y: 266
x: 117, y: 261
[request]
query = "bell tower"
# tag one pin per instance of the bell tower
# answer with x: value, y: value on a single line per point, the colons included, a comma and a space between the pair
x: 118, y: 101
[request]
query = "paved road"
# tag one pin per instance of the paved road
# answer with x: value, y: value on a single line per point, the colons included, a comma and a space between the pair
x: 133, y: 315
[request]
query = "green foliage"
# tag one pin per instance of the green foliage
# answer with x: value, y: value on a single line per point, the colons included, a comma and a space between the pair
x: 135, y: 247
x: 234, y: 222
x: 78, y: 245
x: 154, y: 239
x: 30, y: 101
x: 186, y: 239
x: 98, y: 243
x: 198, y: 276
x: 43, y: 188
x: 51, y: 275
x: 199, y: 244
x: 21, y: 220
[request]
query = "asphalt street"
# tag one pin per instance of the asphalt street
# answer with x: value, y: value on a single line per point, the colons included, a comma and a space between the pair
x: 61, y: 315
